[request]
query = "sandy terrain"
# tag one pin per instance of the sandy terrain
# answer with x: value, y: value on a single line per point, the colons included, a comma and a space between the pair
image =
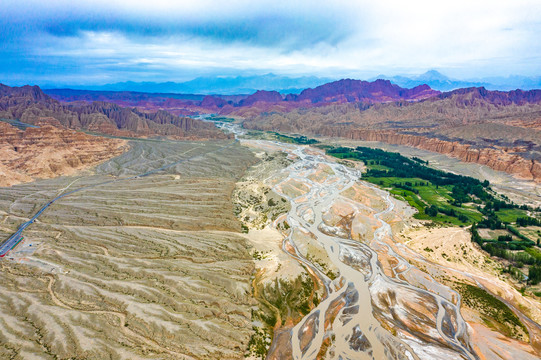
x: 451, y: 247
x: 451, y: 252
x: 262, y: 211
x: 273, y: 262
x: 157, y: 267
x: 422, y: 316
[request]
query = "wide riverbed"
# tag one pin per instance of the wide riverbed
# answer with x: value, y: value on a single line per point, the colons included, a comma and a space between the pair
x: 369, y: 312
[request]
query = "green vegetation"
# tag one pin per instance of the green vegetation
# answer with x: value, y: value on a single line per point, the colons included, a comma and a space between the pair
x: 534, y: 274
x: 515, y: 232
x: 260, y: 342
x: 283, y: 299
x: 260, y: 255
x: 221, y: 119
x: 510, y: 215
x: 280, y: 300
x: 535, y: 253
x: 283, y: 226
x: 528, y: 221
x: 494, y: 312
x: 244, y: 229
x: 302, y: 140
x: 450, y: 199
x: 519, y: 252
x: 322, y: 265
x: 440, y: 196
x: 275, y: 136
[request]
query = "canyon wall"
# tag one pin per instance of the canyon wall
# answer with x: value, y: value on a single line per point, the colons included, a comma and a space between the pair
x: 497, y: 129
x: 497, y: 158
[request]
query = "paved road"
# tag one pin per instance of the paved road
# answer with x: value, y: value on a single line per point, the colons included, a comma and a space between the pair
x: 14, y: 239
x: 10, y: 243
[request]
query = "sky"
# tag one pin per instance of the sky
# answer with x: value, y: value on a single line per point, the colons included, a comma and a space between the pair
x: 96, y: 42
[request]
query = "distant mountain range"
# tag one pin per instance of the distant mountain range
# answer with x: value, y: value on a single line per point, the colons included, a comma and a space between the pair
x: 341, y: 91
x: 438, y: 81
x: 499, y: 129
x: 214, y: 85
x: 218, y: 85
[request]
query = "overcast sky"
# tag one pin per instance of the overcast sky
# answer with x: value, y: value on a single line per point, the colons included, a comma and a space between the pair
x: 107, y: 41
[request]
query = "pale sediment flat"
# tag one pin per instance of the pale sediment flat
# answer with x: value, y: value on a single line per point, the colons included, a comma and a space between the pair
x: 149, y: 268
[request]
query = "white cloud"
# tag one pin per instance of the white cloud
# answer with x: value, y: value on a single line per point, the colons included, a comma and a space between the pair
x: 342, y: 38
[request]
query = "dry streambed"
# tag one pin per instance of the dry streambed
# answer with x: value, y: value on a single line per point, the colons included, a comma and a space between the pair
x: 497, y: 313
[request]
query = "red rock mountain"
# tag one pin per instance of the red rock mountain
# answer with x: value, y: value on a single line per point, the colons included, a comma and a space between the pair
x: 348, y: 90
x: 496, y: 128
x: 342, y: 91
x: 31, y: 93
x: 210, y: 102
x: 262, y: 96
x: 467, y: 96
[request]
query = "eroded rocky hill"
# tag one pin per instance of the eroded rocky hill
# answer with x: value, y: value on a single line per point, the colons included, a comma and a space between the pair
x: 147, y: 268
x: 499, y: 129
x: 342, y: 91
x: 494, y: 128
x: 30, y: 105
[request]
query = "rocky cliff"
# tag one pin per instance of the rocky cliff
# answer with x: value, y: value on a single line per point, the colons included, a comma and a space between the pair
x: 510, y: 160
x: 337, y: 92
x: 494, y: 128
x: 47, y: 151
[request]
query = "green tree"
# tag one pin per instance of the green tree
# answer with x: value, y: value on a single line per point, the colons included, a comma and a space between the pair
x: 431, y: 211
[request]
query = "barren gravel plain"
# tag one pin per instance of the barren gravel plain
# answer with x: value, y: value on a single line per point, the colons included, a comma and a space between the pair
x: 149, y: 268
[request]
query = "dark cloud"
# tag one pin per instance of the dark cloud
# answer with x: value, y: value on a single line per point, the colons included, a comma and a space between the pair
x: 262, y: 29
x: 32, y: 37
